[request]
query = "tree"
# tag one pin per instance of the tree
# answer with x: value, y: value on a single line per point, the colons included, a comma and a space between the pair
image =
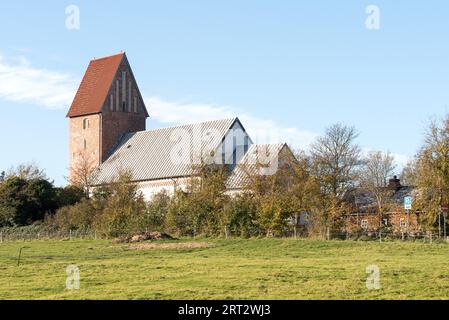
x: 336, y: 159
x: 26, y: 171
x: 156, y: 213
x: 408, y: 174
x: 241, y: 214
x: 123, y: 208
x: 305, y: 190
x: 81, y: 172
x: 201, y: 209
x: 30, y: 200
x: 284, y: 195
x: 74, y: 217
x: 431, y: 170
x: 69, y: 195
x: 378, y: 167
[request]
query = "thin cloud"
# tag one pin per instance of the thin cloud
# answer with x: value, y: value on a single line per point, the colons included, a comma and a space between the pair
x: 21, y: 82
x: 261, y: 130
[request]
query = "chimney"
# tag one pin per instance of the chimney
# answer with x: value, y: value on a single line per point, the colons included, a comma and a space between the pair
x: 394, y: 184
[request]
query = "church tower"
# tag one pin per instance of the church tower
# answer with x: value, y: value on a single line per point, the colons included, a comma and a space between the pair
x: 107, y: 105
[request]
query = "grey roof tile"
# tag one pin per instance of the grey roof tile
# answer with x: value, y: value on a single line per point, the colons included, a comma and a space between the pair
x: 249, y: 163
x: 148, y: 155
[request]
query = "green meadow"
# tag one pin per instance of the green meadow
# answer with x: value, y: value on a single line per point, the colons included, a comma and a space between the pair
x: 226, y: 269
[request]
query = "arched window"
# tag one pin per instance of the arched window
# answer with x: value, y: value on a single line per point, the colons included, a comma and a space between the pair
x: 85, y: 144
x: 85, y: 123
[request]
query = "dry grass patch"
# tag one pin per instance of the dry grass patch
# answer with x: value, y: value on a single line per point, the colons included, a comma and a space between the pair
x: 182, y: 245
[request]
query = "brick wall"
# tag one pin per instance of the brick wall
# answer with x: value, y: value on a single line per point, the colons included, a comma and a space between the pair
x: 84, y: 140
x: 123, y: 118
x: 372, y: 222
x: 123, y: 112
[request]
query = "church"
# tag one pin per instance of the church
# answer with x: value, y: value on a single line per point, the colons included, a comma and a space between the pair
x: 108, y: 134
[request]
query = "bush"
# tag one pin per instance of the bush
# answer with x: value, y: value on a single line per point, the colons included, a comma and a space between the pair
x: 241, y: 212
x: 155, y: 215
x: 78, y: 216
x: 28, y: 200
x: 69, y: 195
x: 121, y: 207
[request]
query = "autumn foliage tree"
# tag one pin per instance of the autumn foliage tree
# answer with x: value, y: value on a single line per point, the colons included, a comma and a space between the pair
x: 431, y: 171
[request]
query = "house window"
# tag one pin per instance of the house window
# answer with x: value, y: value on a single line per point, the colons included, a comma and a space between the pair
x: 402, y: 223
x: 85, y: 123
x: 364, y: 224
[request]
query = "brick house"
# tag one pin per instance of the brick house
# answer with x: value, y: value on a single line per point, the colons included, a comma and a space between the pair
x: 396, y: 219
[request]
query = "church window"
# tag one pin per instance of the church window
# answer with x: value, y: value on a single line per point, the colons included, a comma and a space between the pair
x: 129, y: 96
x: 85, y: 124
x: 124, y: 90
x: 117, y: 94
x: 85, y: 144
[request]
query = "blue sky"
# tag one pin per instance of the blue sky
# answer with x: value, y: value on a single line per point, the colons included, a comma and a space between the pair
x: 287, y: 67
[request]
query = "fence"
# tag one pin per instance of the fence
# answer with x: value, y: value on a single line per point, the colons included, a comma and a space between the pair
x: 28, y: 234
x: 33, y: 233
x: 428, y: 237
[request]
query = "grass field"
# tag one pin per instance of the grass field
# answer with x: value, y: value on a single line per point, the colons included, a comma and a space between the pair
x: 230, y: 269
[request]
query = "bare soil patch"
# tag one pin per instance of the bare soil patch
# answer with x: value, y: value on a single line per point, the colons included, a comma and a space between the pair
x: 182, y: 245
x: 144, y: 236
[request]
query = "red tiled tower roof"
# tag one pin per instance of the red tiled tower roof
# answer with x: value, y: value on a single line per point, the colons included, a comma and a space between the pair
x: 95, y: 86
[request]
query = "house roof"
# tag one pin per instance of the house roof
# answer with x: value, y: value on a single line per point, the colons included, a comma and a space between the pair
x: 365, y: 201
x: 152, y: 155
x: 250, y: 163
x: 95, y: 85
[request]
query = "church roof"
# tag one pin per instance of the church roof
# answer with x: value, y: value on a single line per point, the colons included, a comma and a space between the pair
x: 152, y: 155
x: 95, y: 85
x: 251, y: 162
